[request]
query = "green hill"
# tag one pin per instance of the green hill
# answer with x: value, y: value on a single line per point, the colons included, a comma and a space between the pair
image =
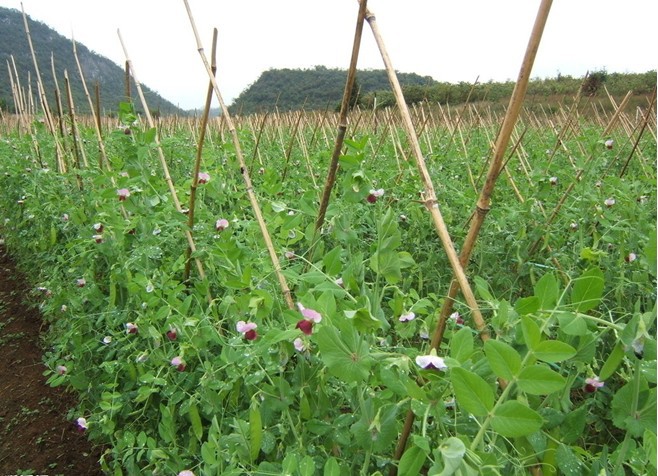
x: 317, y: 88
x: 46, y: 41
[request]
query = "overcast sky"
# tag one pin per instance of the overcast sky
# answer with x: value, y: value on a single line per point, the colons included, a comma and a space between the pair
x: 449, y: 40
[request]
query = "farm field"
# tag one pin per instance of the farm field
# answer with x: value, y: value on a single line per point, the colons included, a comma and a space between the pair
x: 310, y: 353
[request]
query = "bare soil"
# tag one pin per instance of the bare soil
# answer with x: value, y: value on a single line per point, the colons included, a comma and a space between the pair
x: 35, y: 435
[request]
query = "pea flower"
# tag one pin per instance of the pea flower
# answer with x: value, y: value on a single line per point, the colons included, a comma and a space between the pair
x: 97, y: 238
x: 131, y: 328
x: 299, y: 344
x: 609, y: 202
x: 248, y: 329
x: 593, y: 384
x: 455, y: 316
x: 573, y: 226
x: 123, y: 193
x: 81, y: 423
x: 339, y: 282
x: 407, y: 316
x: 81, y: 282
x: 107, y: 340
x: 186, y: 472
x: 65, y: 217
x: 221, y: 224
x: 172, y: 333
x: 609, y: 143
x: 374, y: 195
x: 552, y: 180
x: 431, y: 362
x: 178, y: 363
x: 310, y: 317
x: 203, y: 177
x: 98, y: 227
x: 630, y: 257
x: 61, y: 369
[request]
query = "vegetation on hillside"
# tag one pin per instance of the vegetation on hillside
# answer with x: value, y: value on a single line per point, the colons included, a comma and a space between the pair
x: 47, y: 43
x: 321, y: 88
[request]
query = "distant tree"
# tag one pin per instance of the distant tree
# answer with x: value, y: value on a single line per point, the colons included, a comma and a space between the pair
x: 593, y: 82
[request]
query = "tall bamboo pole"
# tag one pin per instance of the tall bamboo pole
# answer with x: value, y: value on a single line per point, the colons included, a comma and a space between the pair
x: 197, y: 164
x: 163, y: 162
x: 243, y: 167
x: 342, y: 125
x: 430, y: 201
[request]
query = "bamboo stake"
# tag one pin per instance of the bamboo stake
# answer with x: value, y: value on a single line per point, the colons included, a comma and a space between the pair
x: 163, y: 162
x: 243, y: 168
x: 639, y: 136
x: 74, y: 128
x: 342, y: 126
x: 483, y: 204
x: 199, y: 150
x: 430, y: 201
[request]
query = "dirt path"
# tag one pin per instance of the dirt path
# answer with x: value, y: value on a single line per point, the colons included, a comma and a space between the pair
x: 35, y: 437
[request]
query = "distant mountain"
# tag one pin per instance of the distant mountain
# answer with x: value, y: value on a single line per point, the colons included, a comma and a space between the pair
x: 46, y: 41
x: 317, y: 88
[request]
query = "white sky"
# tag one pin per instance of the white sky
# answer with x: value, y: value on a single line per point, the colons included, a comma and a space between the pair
x: 452, y: 41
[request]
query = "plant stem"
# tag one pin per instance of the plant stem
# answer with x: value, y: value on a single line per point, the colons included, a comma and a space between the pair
x: 634, y: 402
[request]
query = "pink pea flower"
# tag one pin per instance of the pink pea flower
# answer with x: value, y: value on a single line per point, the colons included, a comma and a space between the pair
x: 98, y: 227
x: 179, y: 363
x: 203, y: 177
x: 97, y: 238
x: 186, y: 472
x: 609, y: 202
x: 289, y: 255
x: 123, y: 193
x: 609, y: 143
x: 407, y: 316
x: 339, y: 282
x: 573, y: 226
x: 552, y: 180
x: 305, y: 326
x: 61, y: 369
x: 81, y: 282
x: 172, y: 333
x: 248, y: 329
x: 65, y: 217
x: 221, y: 224
x: 81, y: 424
x: 431, y: 362
x: 455, y: 316
x: 299, y: 344
x: 630, y: 257
x: 131, y: 328
x: 374, y: 195
x: 593, y: 384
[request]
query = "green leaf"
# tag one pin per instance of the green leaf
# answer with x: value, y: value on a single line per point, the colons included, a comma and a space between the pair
x: 363, y: 319
x: 472, y: 392
x: 195, y: 420
x: 540, y: 380
x: 307, y: 466
x: 344, y: 353
x: 461, y: 344
x: 387, y: 263
x: 255, y: 430
x: 412, y: 461
x: 503, y: 359
x: 574, y: 425
x: 527, y: 305
x: 568, y: 462
x: 587, y: 290
x: 452, y: 451
x: 547, y: 289
x: 512, y: 419
x: 650, y: 252
x: 331, y: 262
x: 278, y: 207
x: 553, y: 351
x: 571, y: 324
x: 331, y: 467
x: 531, y: 332
x: 612, y: 362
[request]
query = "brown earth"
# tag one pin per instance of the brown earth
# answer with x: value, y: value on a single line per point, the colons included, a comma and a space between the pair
x: 35, y: 436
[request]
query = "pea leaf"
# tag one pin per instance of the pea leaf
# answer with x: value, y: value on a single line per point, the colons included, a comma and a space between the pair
x: 513, y: 419
x: 587, y: 290
x: 540, y: 380
x: 344, y: 353
x: 553, y: 351
x: 472, y: 392
x: 503, y: 359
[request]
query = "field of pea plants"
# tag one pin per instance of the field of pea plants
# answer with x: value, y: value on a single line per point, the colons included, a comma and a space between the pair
x: 210, y: 329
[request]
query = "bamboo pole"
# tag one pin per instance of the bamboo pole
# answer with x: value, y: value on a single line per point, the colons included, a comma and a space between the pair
x: 197, y: 164
x: 163, y: 162
x: 645, y: 121
x: 243, y: 167
x: 430, y: 201
x: 483, y: 203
